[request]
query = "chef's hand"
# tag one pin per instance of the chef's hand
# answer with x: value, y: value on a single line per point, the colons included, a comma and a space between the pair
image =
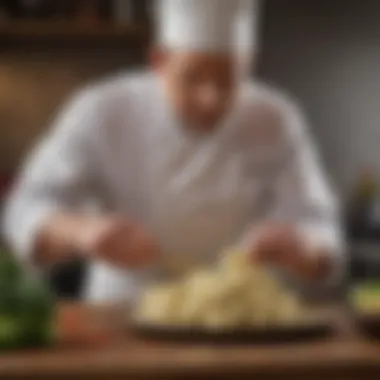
x: 118, y: 241
x: 282, y: 246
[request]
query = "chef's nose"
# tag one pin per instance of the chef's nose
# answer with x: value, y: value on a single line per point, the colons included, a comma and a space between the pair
x: 210, y: 96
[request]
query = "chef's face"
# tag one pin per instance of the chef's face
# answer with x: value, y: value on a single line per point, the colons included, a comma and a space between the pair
x: 200, y: 87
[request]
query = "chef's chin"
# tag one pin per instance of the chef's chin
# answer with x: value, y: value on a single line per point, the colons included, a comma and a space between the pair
x: 206, y: 124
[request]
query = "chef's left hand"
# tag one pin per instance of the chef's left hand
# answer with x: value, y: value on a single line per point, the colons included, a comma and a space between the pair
x: 282, y: 246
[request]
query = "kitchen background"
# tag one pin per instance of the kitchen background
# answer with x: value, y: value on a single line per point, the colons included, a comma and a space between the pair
x: 326, y: 53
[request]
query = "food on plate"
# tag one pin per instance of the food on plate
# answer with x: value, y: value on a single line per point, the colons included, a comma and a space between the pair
x: 235, y: 293
x: 160, y: 305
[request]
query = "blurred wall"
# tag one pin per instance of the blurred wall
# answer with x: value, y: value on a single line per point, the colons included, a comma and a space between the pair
x: 35, y: 78
x: 327, y: 53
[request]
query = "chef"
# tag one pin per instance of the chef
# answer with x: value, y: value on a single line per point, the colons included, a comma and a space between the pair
x: 185, y: 160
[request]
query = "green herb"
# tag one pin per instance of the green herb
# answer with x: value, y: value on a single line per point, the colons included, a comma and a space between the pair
x: 26, y: 306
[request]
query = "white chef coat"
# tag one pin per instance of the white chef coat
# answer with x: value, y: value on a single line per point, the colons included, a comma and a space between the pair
x: 119, y: 143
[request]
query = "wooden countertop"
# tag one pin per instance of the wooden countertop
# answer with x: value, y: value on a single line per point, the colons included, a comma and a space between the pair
x: 90, y: 350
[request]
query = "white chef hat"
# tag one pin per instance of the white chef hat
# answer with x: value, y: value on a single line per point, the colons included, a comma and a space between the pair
x: 247, y: 26
x: 205, y: 25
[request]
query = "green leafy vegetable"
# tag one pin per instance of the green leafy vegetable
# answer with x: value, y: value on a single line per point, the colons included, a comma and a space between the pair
x: 26, y: 306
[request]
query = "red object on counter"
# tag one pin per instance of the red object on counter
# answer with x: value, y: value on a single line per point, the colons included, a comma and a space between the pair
x: 80, y: 327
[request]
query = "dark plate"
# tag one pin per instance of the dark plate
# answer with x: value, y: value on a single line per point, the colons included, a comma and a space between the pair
x: 269, y: 335
x: 369, y: 324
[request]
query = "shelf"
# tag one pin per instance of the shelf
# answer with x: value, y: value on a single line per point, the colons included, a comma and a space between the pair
x: 70, y: 29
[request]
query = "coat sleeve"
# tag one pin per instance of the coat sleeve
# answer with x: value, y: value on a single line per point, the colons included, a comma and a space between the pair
x: 57, y: 175
x: 304, y: 196
x: 301, y: 193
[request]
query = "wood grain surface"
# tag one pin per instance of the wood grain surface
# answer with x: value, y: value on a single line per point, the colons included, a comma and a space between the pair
x: 94, y: 344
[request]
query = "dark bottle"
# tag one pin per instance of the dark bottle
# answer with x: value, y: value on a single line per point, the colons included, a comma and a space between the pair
x: 10, y: 8
x: 140, y: 10
x: 363, y: 228
x: 363, y: 212
x: 94, y: 11
x: 31, y: 8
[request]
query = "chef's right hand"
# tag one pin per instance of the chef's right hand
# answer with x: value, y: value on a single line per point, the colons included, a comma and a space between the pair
x: 119, y: 242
